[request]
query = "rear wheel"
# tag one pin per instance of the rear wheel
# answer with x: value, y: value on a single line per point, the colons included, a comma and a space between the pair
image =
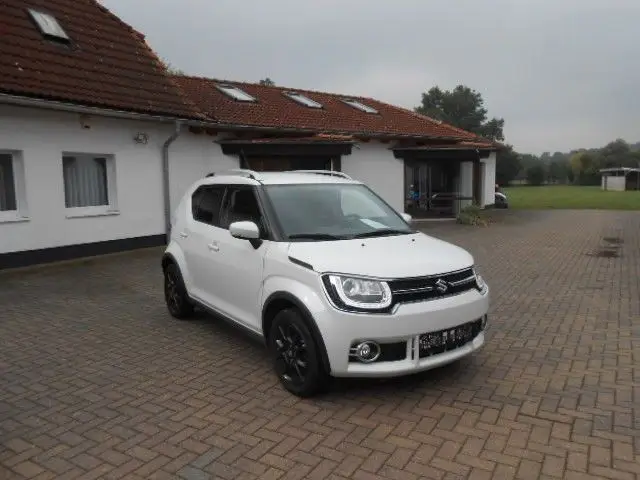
x: 175, y: 294
x: 296, y: 355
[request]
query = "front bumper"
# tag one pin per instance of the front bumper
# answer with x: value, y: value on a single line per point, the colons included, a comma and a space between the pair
x: 341, y: 330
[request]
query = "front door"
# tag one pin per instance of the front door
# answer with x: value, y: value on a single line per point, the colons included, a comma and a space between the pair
x: 238, y: 263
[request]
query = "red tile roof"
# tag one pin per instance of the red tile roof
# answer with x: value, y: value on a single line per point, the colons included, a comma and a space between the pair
x: 274, y: 109
x: 309, y: 139
x: 108, y: 65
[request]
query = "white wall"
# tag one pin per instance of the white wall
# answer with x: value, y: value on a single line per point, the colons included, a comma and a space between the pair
x: 466, y: 183
x: 614, y: 183
x: 41, y: 136
x: 489, y: 180
x: 374, y: 164
x: 192, y: 157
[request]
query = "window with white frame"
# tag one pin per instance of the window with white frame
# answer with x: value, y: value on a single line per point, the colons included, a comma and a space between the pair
x: 359, y: 105
x: 13, y: 197
x: 8, y: 197
x: 89, y: 181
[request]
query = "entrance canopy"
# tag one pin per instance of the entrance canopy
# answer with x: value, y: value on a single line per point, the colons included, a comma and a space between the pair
x: 316, y: 152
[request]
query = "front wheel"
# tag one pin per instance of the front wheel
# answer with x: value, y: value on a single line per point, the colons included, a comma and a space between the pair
x: 296, y: 355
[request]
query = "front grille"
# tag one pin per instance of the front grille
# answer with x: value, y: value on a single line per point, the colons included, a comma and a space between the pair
x: 432, y: 287
x: 433, y: 343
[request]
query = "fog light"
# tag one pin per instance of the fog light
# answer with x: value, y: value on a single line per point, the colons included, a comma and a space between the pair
x: 367, y: 352
x: 484, y: 321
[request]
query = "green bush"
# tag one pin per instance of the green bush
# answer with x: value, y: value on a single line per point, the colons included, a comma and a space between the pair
x: 472, y: 215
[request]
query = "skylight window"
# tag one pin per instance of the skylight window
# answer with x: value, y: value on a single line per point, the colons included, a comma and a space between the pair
x: 49, y: 26
x: 235, y: 93
x: 301, y: 99
x: 359, y: 105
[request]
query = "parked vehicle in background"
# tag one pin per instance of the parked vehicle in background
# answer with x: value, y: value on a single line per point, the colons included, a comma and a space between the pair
x: 334, y: 280
x: 501, y: 200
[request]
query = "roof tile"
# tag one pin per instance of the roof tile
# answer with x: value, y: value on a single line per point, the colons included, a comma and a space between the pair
x: 275, y: 110
x: 108, y: 64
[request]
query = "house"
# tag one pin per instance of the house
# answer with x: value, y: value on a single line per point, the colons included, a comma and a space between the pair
x: 98, y: 142
x: 392, y: 149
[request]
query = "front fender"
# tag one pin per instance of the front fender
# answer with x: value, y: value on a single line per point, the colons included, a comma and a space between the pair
x: 304, y: 293
x: 307, y: 299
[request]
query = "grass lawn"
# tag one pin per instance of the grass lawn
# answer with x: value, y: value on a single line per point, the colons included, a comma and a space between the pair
x: 571, y: 197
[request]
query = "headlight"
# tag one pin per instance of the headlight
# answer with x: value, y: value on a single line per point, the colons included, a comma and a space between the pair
x: 358, y: 293
x: 480, y: 283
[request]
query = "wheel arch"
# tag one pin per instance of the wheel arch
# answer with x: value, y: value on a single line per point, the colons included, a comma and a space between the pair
x: 279, y: 301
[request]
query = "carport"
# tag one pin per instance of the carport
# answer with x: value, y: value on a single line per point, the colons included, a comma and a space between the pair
x: 620, y: 178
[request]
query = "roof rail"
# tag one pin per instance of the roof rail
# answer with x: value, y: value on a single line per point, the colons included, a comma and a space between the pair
x: 237, y: 171
x: 333, y: 173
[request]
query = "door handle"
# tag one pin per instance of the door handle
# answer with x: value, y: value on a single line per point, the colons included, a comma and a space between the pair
x: 183, y: 234
x: 213, y: 247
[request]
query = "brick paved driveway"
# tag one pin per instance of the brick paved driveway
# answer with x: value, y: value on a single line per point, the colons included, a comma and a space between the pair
x: 97, y: 381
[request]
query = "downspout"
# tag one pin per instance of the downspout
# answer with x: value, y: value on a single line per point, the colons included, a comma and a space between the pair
x: 166, y: 185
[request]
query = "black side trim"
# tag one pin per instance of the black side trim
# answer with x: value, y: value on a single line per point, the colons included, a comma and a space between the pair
x: 307, y: 316
x: 231, y: 322
x: 301, y: 263
x: 70, y: 252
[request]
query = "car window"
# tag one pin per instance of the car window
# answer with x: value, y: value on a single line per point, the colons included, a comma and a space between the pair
x: 206, y: 203
x: 356, y: 202
x: 241, y: 204
x: 333, y: 210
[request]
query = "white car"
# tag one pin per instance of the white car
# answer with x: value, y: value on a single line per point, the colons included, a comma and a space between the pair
x: 334, y: 280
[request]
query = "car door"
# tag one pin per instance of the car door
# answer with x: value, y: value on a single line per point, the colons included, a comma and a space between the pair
x: 239, y: 263
x: 201, y: 235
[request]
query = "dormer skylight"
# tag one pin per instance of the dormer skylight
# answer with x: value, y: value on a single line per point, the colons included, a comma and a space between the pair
x: 359, y: 105
x: 235, y: 93
x: 49, y: 26
x: 303, y: 100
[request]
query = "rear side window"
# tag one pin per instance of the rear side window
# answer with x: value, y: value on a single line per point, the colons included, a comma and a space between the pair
x: 205, y: 204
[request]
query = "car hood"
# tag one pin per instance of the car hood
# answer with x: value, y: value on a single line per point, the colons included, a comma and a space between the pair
x: 398, y: 256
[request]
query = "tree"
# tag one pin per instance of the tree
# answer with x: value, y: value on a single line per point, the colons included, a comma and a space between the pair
x: 171, y: 69
x: 584, y: 166
x: 507, y: 165
x: 268, y: 82
x: 463, y: 108
x: 535, y: 175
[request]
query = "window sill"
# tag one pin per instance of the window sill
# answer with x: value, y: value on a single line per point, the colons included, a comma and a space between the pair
x: 90, y: 212
x: 13, y: 217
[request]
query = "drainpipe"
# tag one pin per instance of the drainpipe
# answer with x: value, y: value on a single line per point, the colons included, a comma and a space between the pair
x: 166, y: 185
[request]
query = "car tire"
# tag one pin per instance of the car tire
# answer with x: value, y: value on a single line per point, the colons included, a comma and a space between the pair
x: 296, y: 355
x: 175, y: 293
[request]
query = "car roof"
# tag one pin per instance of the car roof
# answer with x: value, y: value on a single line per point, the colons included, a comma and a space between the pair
x: 250, y: 177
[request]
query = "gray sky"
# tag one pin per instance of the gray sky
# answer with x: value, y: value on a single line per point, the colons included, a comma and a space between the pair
x: 563, y: 74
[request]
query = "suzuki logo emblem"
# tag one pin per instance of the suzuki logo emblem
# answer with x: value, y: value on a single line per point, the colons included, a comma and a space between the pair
x: 442, y: 286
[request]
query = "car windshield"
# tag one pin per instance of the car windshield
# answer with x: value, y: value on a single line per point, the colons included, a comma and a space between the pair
x: 333, y: 211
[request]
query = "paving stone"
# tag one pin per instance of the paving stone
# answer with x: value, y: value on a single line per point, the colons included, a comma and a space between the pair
x: 98, y: 381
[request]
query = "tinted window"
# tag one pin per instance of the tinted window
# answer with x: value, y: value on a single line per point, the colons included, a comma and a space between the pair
x: 206, y: 203
x: 241, y: 205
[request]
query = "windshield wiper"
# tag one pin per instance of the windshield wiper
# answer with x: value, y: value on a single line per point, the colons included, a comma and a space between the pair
x: 315, y: 236
x: 381, y: 233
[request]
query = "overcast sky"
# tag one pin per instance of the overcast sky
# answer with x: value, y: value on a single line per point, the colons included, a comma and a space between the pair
x: 562, y: 73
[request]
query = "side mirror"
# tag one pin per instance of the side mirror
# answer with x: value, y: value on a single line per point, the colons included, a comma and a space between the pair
x: 244, y: 230
x: 407, y: 218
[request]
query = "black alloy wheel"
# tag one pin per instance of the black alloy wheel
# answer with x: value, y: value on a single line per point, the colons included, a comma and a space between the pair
x: 175, y: 293
x: 295, y: 355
